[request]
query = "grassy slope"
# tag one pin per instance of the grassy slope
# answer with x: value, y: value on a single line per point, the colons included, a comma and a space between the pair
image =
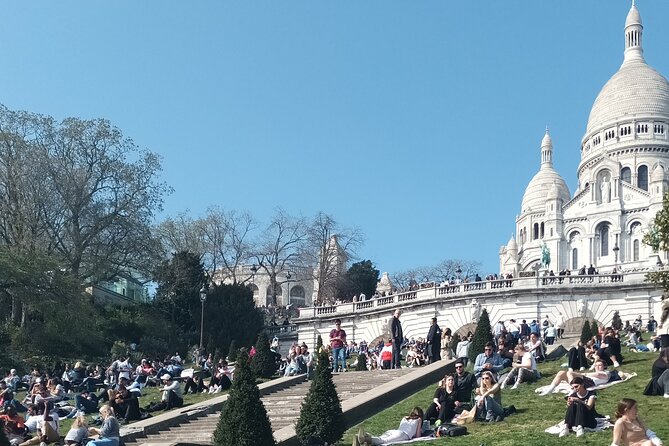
x: 536, y: 413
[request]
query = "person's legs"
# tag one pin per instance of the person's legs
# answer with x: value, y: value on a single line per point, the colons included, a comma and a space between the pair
x: 493, y: 408
x: 103, y: 442
x: 173, y: 400
x: 335, y: 358
x: 663, y: 381
x: 397, y: 357
x: 50, y: 433
x: 390, y: 437
x: 432, y: 414
x: 342, y: 358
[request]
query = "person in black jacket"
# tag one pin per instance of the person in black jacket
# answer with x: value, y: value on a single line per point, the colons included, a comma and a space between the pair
x: 434, y: 342
x: 659, y: 383
x: 398, y: 337
x: 442, y: 408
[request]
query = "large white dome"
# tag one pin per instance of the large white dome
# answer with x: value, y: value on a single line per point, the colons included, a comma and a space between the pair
x: 636, y: 90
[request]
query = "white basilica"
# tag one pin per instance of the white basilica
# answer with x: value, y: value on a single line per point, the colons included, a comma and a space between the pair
x: 621, y: 178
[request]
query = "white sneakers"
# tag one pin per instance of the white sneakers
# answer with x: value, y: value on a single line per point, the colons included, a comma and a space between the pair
x: 564, y: 431
x: 579, y: 431
x: 547, y: 391
x: 666, y: 395
x: 581, y: 369
x: 616, y: 364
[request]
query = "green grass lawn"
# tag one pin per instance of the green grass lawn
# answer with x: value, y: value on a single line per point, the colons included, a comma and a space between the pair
x: 536, y: 413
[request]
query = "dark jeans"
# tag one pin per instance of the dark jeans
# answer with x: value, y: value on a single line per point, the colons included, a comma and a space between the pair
x: 397, y: 356
x: 128, y: 410
x: 171, y: 402
x: 579, y: 415
x: 86, y: 405
x: 577, y: 358
x: 445, y: 414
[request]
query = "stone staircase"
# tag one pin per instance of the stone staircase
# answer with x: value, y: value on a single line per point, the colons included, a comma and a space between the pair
x: 283, y: 407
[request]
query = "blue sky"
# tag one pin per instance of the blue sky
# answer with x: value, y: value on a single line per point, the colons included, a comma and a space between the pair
x: 419, y: 122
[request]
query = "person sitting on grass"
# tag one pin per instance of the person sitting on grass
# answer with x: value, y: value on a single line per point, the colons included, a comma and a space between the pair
x: 659, y: 382
x: 489, y: 399
x: 597, y: 378
x: 172, y: 395
x: 629, y: 430
x: 108, y: 434
x: 489, y: 360
x: 577, y: 358
x: 580, y: 409
x: 442, y: 409
x: 15, y: 427
x: 47, y: 426
x: 126, y: 404
x: 78, y: 432
x: 525, y: 370
x: 222, y: 379
x: 410, y: 427
x: 609, y: 349
x: 465, y: 383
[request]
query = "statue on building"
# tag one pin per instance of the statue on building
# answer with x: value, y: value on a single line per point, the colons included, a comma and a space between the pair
x: 545, y: 256
x: 606, y: 191
x: 476, y: 310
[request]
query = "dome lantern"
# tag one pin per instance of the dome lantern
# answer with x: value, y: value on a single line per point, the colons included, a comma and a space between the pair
x: 633, y: 36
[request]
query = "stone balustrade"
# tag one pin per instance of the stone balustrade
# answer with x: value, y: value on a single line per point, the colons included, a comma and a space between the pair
x: 474, y: 289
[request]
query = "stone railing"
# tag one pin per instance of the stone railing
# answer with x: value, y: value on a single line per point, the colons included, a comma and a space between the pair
x: 273, y: 330
x: 478, y: 289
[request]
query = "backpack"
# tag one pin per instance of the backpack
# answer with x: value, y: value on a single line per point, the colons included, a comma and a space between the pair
x: 451, y: 430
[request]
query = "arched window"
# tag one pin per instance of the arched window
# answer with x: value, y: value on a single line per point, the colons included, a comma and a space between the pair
x: 297, y: 291
x: 603, y: 239
x: 279, y: 291
x: 642, y: 177
x: 542, y: 230
x: 535, y: 235
x: 254, y: 288
x: 574, y: 258
x: 635, y: 250
x: 626, y: 175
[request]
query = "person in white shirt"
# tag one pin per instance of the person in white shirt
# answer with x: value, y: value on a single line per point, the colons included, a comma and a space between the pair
x: 410, y: 427
x: 523, y: 371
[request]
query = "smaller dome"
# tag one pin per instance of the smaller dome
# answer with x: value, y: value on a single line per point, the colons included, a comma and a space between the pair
x: 544, y: 181
x: 512, y: 245
x: 633, y: 17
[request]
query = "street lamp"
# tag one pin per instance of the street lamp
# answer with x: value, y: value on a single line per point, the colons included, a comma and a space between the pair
x: 203, y: 298
x: 288, y: 276
x: 458, y: 272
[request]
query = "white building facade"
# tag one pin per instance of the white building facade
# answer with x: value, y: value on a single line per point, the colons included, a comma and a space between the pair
x: 622, y: 177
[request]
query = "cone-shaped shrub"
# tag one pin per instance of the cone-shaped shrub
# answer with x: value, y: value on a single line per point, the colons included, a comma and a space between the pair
x: 482, y: 336
x: 232, y: 351
x: 263, y: 364
x: 319, y: 343
x: 361, y: 366
x: 321, y: 415
x: 243, y: 420
x: 594, y: 328
x: 586, y: 332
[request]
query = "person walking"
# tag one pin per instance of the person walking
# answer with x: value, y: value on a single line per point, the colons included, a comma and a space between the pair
x: 338, y: 345
x: 398, y: 337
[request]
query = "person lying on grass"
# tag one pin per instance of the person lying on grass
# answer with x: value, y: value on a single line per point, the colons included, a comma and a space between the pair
x: 597, y: 378
x: 629, y: 430
x: 410, y: 427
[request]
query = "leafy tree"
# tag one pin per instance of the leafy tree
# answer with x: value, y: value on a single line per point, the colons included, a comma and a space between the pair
x: 4, y: 441
x: 617, y: 323
x: 178, y: 295
x: 233, y: 351
x: 361, y: 366
x: 243, y: 420
x: 319, y: 343
x: 657, y: 237
x: 586, y: 332
x: 361, y: 277
x: 263, y: 363
x: 482, y: 336
x: 321, y: 415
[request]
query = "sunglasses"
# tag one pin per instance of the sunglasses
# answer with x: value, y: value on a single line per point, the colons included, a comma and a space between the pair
x: 458, y: 366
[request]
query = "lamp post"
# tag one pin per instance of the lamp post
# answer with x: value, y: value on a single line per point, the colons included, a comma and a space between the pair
x: 288, y: 276
x: 203, y: 298
x: 458, y: 272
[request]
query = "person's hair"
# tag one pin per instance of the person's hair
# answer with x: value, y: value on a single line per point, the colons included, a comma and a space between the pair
x: 490, y: 344
x: 602, y: 361
x: 623, y: 406
x: 337, y: 321
x: 416, y: 412
x: 664, y: 354
x: 577, y: 380
x: 80, y: 421
x: 106, y: 411
x: 443, y: 381
x: 492, y: 378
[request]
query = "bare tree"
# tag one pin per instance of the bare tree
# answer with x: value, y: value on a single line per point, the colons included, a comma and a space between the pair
x: 227, y: 242
x: 281, y: 245
x: 329, y: 247
x: 181, y: 233
x: 448, y: 269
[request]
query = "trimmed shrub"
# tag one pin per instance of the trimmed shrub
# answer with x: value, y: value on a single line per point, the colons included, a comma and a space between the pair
x: 263, y: 364
x: 586, y: 332
x: 319, y: 343
x: 361, y: 366
x: 321, y: 415
x: 482, y: 336
x: 594, y: 329
x: 232, y: 351
x: 243, y: 420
